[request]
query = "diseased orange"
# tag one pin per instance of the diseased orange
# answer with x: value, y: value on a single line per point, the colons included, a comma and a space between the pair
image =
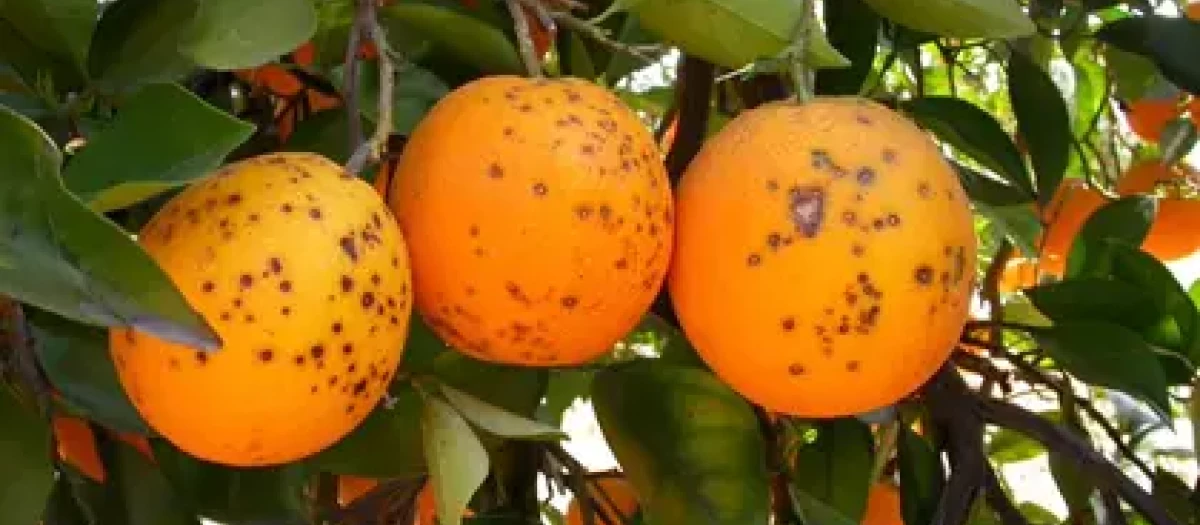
x: 303, y: 272
x: 1149, y: 116
x: 883, y: 505
x: 1069, y: 208
x: 538, y: 215
x: 618, y: 503
x: 1175, y: 232
x: 821, y: 245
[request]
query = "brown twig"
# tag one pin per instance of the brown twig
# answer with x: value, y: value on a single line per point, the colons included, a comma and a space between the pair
x: 963, y: 429
x: 350, y: 72
x: 533, y: 64
x: 999, y: 501
x: 373, y: 150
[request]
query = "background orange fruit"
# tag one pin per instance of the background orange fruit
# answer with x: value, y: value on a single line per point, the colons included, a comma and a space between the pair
x: 303, y: 273
x: 618, y: 504
x: 1070, y: 207
x: 820, y: 245
x: 539, y: 217
x: 1175, y: 233
x: 76, y: 445
x: 1019, y: 273
x: 1149, y: 116
x: 883, y: 505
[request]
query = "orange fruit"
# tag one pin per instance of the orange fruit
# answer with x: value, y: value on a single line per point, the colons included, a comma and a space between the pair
x: 1070, y: 207
x: 538, y: 215
x: 1148, y: 117
x: 618, y: 503
x: 350, y: 488
x: 1192, y: 11
x: 1194, y: 105
x: 883, y: 505
x: 77, y: 445
x: 1175, y: 233
x: 820, y: 245
x: 1019, y: 273
x: 302, y: 271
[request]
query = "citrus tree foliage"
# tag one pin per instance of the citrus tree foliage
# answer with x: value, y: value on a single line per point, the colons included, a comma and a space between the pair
x: 1066, y: 122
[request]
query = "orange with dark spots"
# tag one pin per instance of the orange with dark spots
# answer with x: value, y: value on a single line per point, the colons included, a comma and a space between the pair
x: 539, y: 218
x: 822, y: 245
x: 303, y: 272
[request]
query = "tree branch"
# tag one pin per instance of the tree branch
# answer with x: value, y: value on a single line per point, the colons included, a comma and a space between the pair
x: 373, y: 149
x: 533, y: 64
x: 350, y: 72
x: 999, y: 501
x: 963, y: 429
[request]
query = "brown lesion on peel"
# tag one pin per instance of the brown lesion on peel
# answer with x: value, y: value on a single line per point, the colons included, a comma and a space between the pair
x: 806, y: 209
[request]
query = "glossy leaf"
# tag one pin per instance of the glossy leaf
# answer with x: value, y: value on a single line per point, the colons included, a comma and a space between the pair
x: 987, y: 190
x: 835, y: 469
x: 852, y: 28
x: 231, y: 495
x: 813, y: 511
x: 496, y: 420
x: 1007, y: 446
x: 974, y: 132
x: 76, y: 360
x: 230, y: 34
x: 1042, y: 120
x: 472, y: 40
x: 1126, y: 220
x: 688, y: 444
x: 959, y: 18
x: 61, y: 28
x: 921, y: 477
x: 457, y: 460
x: 1098, y: 299
x: 1108, y: 355
x: 1169, y: 42
x: 25, y: 453
x: 71, y: 261
x: 137, y: 158
x: 137, y: 42
x: 387, y: 444
x: 1018, y: 223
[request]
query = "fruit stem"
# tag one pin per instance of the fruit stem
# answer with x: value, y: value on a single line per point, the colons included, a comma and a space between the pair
x: 533, y: 65
x: 588, y: 29
x: 887, y: 444
x: 801, y: 75
x: 373, y: 149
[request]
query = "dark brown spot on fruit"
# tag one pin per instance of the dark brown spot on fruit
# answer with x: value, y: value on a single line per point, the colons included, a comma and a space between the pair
x: 570, y: 302
x: 226, y: 316
x: 878, y: 224
x: 889, y: 155
x: 583, y: 211
x: 367, y: 300
x: 863, y: 119
x: 621, y: 264
x: 849, y: 217
x: 788, y: 324
x: 337, y: 328
x: 347, y: 284
x: 772, y: 185
x: 317, y: 351
x: 806, y: 210
x: 473, y: 231
x: 857, y: 250
x: 495, y: 171
x: 315, y: 214
x: 286, y: 208
x: 266, y: 355
x: 923, y: 275
x: 347, y: 349
x: 208, y: 286
x: 275, y: 265
x: 865, y: 176
x: 893, y: 219
x: 201, y: 358
x: 540, y: 189
x: 821, y: 159
x: 348, y: 247
x: 285, y: 286
x: 246, y: 281
x: 852, y: 366
x: 754, y: 260
x: 796, y: 369
x: 774, y: 240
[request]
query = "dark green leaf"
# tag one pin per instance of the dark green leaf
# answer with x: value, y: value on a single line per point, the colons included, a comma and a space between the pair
x: 62, y: 257
x: 137, y: 42
x: 835, y: 468
x: 689, y: 444
x: 137, y: 158
x: 921, y: 477
x: 1076, y: 488
x: 231, y: 34
x: 325, y: 133
x: 458, y: 463
x: 575, y: 55
x: 1133, y: 75
x: 472, y: 40
x: 1097, y: 298
x: 138, y: 493
x: 813, y: 511
x: 63, y: 508
x: 1042, y: 120
x: 1175, y: 496
x: 1007, y: 446
x: 986, y: 189
x: 61, y: 28
x: 32, y: 68
x: 564, y: 389
x: 1126, y: 219
x: 974, y: 132
x: 495, y: 420
x: 25, y: 453
x: 387, y: 444
x: 853, y: 28
x: 1169, y: 42
x: 415, y: 91
x: 1019, y: 223
x: 230, y: 495
x: 629, y: 31
x: 1108, y: 355
x: 77, y: 362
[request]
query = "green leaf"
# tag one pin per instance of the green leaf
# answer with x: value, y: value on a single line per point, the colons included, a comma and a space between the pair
x: 386, y: 445
x: 1007, y: 446
x: 1019, y: 223
x: 1175, y: 496
x: 138, y: 492
x: 1097, y: 298
x: 470, y: 39
x: 137, y: 42
x: 921, y: 477
x: 1042, y: 120
x: 72, y: 261
x: 1133, y: 75
x: 231, y: 34
x: 61, y: 28
x: 565, y: 387
x: 497, y: 420
x: 415, y: 91
x: 63, y: 507
x: 458, y: 463
x: 813, y: 511
x: 974, y: 132
x: 1108, y: 355
x: 77, y: 362
x: 25, y: 453
x: 1126, y: 220
x: 325, y: 133
x: 835, y: 468
x: 959, y: 18
x: 733, y: 33
x: 688, y: 444
x: 1169, y: 42
x: 621, y: 65
x: 986, y: 189
x: 137, y: 158
x: 234, y: 495
x: 852, y: 28
x: 1073, y: 484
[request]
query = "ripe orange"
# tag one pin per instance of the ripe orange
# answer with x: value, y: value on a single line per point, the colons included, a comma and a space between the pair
x: 1175, y: 233
x: 302, y: 271
x: 77, y: 446
x: 1019, y: 273
x: 539, y: 217
x: 618, y: 504
x: 820, y: 245
x: 1194, y: 105
x: 1148, y: 117
x: 1192, y: 11
x: 1070, y: 207
x: 883, y: 505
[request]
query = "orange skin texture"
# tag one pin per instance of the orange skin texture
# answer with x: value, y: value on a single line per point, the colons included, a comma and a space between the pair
x: 303, y: 273
x: 1175, y: 233
x: 617, y: 490
x: 538, y: 215
x: 883, y: 505
x: 1070, y: 207
x: 1148, y: 117
x: 77, y: 446
x: 821, y: 245
x: 1019, y: 273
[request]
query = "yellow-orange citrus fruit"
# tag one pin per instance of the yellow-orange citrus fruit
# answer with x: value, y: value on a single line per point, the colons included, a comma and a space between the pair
x: 1148, y: 117
x: 538, y: 215
x: 883, y: 505
x: 1193, y: 11
x: 618, y: 504
x: 303, y: 273
x: 1175, y: 232
x: 1019, y: 273
x: 820, y: 245
x: 1069, y: 208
